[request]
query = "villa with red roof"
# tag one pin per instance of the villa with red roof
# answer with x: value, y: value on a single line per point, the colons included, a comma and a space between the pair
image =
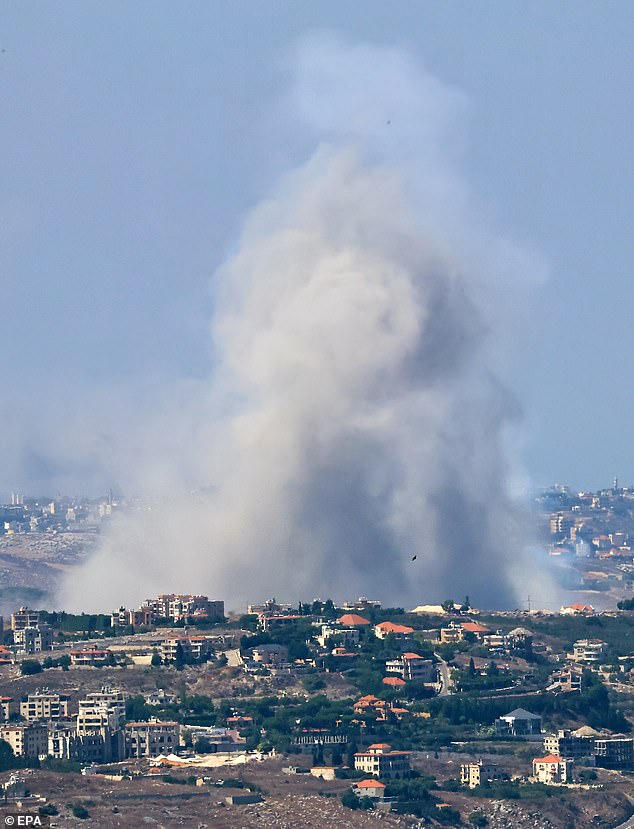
x: 352, y: 620
x: 369, y: 788
x: 384, y: 629
x: 552, y: 769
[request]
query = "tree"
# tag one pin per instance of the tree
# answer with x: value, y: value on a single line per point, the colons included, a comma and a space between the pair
x: 350, y: 800
x: 478, y: 818
x: 179, y: 658
x: 448, y: 605
x: 472, y: 670
x: 466, y: 605
x: 30, y: 667
x: 156, y: 660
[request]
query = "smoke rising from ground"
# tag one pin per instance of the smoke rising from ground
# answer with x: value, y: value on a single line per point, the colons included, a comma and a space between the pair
x: 354, y: 415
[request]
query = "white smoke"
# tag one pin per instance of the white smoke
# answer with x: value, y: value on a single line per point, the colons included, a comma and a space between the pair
x: 354, y: 416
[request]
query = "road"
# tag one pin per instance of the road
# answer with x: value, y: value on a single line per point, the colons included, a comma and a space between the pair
x: 445, y: 677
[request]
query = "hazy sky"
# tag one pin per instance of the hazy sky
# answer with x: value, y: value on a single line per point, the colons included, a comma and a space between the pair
x: 135, y: 136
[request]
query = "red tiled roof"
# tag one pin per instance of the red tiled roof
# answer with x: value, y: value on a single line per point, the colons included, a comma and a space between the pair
x: 390, y: 627
x: 549, y: 758
x: 352, y: 620
x: 474, y: 627
x: 412, y: 656
x: 380, y: 745
x: 370, y: 784
x: 393, y: 680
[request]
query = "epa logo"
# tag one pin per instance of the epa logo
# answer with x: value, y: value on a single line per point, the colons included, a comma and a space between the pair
x: 26, y: 820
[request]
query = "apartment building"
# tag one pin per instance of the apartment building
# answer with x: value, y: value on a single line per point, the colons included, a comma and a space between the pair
x: 185, y: 606
x: 270, y: 654
x: 101, y: 709
x: 342, y: 636
x: 26, y: 740
x: 193, y: 648
x: 149, y: 739
x: 576, y: 745
x: 614, y: 752
x: 25, y: 618
x: 31, y: 640
x: 519, y: 723
x: 380, y: 761
x: 7, y: 708
x: 44, y: 705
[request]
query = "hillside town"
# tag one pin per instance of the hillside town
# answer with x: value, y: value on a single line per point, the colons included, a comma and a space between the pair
x: 435, y: 715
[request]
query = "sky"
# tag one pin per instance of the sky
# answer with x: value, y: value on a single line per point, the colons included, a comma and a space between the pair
x: 136, y: 137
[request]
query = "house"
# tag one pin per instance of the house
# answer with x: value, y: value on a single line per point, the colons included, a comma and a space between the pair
x: 519, y: 723
x: 451, y: 634
x: 30, y: 640
x: 385, y: 629
x: 475, y: 629
x: 474, y: 774
x: 566, y: 680
x: 588, y: 651
x: 268, y: 622
x: 394, y: 682
x: 369, y: 788
x: 192, y: 648
x: 412, y: 667
x: 380, y: 761
x: 552, y: 769
x: 92, y: 656
x: 347, y: 637
x: 270, y: 654
x: 577, y: 610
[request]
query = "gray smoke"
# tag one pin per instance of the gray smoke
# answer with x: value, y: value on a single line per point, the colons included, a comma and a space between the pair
x: 354, y: 415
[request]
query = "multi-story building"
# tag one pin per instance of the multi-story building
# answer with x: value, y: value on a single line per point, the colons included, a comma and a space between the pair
x: 566, y: 680
x: 65, y: 744
x: 614, y: 752
x: 44, y: 705
x: 451, y: 634
x: 345, y: 637
x: 413, y: 668
x: 7, y: 708
x: 25, y: 618
x: 552, y: 769
x: 588, y: 651
x: 270, y: 654
x: 101, y: 709
x: 91, y: 657
x: 30, y: 640
x: 185, y: 606
x: 193, y: 648
x: 149, y: 739
x: 268, y: 622
x: 380, y: 761
x: 26, y: 740
x: 144, y: 617
x: 573, y: 744
x: 474, y: 774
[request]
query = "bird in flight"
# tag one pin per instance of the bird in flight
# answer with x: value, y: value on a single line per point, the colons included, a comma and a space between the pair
x: 414, y: 557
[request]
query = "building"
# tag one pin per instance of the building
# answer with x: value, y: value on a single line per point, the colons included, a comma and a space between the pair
x: 588, y: 651
x: 614, y: 752
x: 6, y: 708
x: 474, y: 774
x: 270, y: 654
x: 577, y: 745
x: 577, y: 610
x: 26, y: 740
x: 271, y: 606
x: 519, y: 723
x: 149, y: 739
x: 144, y: 617
x: 475, y: 629
x: 177, y: 607
x: 268, y: 622
x: 363, y: 604
x: 385, y: 629
x: 25, y: 618
x: 65, y: 744
x: 413, y: 668
x: 369, y: 788
x: 193, y: 648
x: 91, y: 657
x: 567, y: 680
x: 451, y: 634
x: 380, y: 761
x: 552, y: 769
x: 44, y: 705
x: 101, y: 709
x: 347, y: 637
x: 31, y: 640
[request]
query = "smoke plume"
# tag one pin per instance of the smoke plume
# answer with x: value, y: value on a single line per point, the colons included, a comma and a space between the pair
x: 354, y: 416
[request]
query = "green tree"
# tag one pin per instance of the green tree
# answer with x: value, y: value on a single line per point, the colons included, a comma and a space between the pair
x: 30, y: 666
x: 156, y: 660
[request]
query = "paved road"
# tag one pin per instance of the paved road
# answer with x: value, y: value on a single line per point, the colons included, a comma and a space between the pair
x: 445, y: 678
